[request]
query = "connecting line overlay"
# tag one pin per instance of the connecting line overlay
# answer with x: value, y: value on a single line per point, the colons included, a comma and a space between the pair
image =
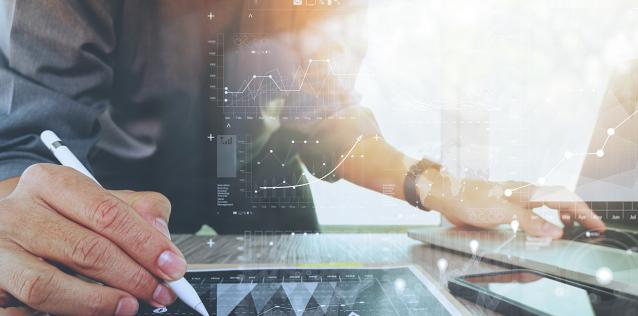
x: 568, y: 155
x: 358, y: 140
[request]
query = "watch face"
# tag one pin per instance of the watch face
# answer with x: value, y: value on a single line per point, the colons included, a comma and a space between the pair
x: 423, y: 188
x: 409, y: 185
x: 413, y: 182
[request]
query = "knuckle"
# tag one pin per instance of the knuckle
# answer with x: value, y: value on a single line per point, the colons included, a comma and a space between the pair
x: 161, y: 199
x: 36, y: 290
x: 36, y: 173
x: 97, y: 305
x: 142, y: 283
x: 89, y: 253
x: 142, y: 238
x: 108, y: 214
x: 153, y: 201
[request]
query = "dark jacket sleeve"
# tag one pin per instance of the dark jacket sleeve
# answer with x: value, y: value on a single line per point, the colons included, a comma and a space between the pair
x: 55, y: 73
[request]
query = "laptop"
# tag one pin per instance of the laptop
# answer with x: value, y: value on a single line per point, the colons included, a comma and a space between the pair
x: 608, y: 182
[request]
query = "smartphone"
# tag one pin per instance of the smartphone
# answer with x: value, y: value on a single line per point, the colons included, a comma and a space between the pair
x: 527, y: 292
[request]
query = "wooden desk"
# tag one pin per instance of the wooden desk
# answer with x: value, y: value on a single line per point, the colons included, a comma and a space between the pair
x: 335, y: 249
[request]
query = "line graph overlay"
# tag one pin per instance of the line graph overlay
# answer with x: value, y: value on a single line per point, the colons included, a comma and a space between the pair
x: 568, y: 155
x: 357, y: 141
x: 247, y: 84
x: 313, y: 90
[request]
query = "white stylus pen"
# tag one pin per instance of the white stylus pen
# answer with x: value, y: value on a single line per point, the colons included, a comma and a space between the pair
x: 181, y: 287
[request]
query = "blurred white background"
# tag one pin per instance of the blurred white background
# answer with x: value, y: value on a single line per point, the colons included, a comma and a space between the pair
x: 522, y: 79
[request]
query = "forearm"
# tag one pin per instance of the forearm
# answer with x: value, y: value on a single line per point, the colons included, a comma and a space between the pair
x: 375, y: 164
x: 384, y: 166
x: 7, y: 186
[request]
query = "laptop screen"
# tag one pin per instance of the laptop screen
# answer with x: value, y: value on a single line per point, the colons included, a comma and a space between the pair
x: 609, y: 177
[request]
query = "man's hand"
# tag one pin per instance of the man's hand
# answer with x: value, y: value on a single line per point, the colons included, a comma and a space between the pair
x: 466, y: 201
x: 58, y: 217
x: 487, y: 204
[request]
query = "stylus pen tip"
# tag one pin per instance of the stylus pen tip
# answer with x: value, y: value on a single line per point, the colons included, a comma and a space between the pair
x: 201, y: 309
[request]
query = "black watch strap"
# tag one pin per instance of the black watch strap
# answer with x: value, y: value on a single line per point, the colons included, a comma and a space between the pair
x: 409, y: 184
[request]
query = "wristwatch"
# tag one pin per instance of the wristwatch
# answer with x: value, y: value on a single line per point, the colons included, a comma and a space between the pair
x: 409, y: 184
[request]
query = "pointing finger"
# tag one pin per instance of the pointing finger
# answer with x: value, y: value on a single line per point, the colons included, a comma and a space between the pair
x: 536, y: 226
x: 153, y: 207
x: 568, y: 202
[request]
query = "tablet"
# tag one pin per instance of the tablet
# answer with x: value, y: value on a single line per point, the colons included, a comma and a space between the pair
x: 397, y: 291
x: 527, y: 292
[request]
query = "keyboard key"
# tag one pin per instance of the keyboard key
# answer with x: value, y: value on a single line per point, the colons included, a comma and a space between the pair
x: 615, y: 216
x: 631, y: 213
x: 609, y: 238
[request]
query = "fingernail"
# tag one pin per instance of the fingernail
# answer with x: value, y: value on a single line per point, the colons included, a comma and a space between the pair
x: 161, y: 224
x: 162, y: 295
x: 552, y: 230
x: 126, y: 307
x: 172, y: 264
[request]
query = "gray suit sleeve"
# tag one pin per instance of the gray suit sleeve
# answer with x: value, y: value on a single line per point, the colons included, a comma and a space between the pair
x: 55, y: 73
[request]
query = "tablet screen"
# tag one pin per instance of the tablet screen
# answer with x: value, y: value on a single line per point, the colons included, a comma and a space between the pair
x: 548, y: 295
x: 349, y: 292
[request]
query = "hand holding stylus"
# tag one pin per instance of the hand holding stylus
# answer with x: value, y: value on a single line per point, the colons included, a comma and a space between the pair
x: 118, y: 238
x: 180, y: 286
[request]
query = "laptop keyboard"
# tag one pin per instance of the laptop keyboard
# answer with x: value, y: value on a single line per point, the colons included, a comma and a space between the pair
x: 609, y: 238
